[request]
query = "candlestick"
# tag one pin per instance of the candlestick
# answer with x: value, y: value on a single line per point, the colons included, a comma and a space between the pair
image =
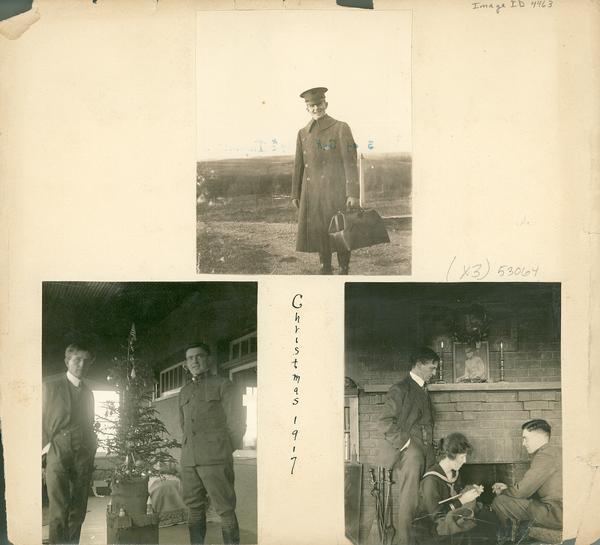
x: 501, y: 361
x: 441, y: 369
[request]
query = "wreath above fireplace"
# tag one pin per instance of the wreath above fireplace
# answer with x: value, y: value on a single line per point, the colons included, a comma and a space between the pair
x: 471, y: 325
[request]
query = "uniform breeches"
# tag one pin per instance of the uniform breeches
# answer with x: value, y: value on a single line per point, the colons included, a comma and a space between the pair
x: 407, y: 474
x: 68, y: 480
x: 518, y: 509
x: 215, y: 482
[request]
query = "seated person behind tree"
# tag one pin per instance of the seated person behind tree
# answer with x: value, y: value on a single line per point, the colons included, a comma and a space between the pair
x: 446, y: 512
x: 537, y: 497
x: 474, y: 367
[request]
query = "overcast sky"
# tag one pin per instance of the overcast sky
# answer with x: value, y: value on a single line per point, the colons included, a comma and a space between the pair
x: 252, y: 65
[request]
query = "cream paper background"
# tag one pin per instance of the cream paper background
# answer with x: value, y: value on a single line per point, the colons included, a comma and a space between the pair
x: 97, y: 166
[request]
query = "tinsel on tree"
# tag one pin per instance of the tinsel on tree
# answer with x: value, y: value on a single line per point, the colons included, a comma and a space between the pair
x: 134, y: 436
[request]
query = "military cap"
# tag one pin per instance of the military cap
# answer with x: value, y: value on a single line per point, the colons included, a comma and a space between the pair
x: 314, y: 95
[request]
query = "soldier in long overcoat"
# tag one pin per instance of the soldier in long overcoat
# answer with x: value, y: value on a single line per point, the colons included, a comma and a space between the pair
x: 212, y: 431
x: 325, y: 179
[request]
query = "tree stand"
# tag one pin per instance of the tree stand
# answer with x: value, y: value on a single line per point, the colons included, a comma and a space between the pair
x: 127, y: 520
x: 132, y: 529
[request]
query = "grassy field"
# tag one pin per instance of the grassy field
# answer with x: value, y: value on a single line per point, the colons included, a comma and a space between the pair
x: 263, y: 240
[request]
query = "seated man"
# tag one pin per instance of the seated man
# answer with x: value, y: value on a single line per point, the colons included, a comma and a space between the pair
x: 537, y: 497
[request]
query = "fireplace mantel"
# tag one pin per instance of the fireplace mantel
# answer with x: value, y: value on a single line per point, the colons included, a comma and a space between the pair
x: 470, y: 387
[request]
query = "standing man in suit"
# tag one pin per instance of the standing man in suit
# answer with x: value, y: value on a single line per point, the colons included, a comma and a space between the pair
x: 212, y: 431
x: 69, y: 443
x: 406, y: 445
x: 538, y: 495
x: 325, y: 179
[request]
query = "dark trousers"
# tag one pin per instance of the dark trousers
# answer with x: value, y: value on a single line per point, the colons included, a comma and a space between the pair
x: 217, y: 483
x: 521, y: 509
x: 342, y: 257
x: 408, y: 471
x: 3, y: 529
x: 326, y: 251
x: 68, y: 480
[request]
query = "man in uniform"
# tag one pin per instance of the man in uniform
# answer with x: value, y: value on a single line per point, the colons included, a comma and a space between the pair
x: 211, y: 433
x: 69, y: 443
x: 538, y: 495
x: 406, y: 445
x: 325, y: 179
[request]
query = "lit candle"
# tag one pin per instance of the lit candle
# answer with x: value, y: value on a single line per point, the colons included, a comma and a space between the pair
x: 501, y: 361
x: 441, y: 367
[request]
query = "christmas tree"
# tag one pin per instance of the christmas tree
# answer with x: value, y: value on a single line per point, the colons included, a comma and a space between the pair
x: 134, y: 437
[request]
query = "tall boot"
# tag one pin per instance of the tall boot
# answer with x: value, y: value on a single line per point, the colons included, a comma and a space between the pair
x: 230, y: 530
x: 504, y: 533
x: 231, y: 536
x: 197, y: 531
x: 325, y: 259
x: 344, y: 261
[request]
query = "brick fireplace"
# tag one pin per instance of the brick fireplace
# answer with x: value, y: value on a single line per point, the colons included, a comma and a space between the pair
x: 522, y: 345
x: 489, y: 414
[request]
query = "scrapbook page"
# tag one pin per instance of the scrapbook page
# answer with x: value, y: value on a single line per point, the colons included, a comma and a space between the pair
x: 299, y: 271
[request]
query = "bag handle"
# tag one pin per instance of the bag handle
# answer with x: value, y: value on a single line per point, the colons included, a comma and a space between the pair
x: 335, y: 221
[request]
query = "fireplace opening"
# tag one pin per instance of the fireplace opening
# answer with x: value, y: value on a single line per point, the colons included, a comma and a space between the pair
x: 490, y: 473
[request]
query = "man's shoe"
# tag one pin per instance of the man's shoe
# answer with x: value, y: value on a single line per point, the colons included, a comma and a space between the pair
x: 344, y: 270
x: 325, y: 270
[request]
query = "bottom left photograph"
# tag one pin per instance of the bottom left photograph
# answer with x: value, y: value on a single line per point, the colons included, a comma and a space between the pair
x: 149, y: 422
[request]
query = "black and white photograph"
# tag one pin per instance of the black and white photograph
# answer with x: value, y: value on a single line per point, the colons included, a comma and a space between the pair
x: 471, y: 362
x: 439, y: 451
x: 149, y: 412
x: 304, y: 161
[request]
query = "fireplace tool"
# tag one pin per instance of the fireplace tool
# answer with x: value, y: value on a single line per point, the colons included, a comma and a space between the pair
x: 376, y: 493
x: 389, y: 530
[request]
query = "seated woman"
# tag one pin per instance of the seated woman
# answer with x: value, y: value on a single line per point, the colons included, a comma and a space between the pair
x: 446, y: 513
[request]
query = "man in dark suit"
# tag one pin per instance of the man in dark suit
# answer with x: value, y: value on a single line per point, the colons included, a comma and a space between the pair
x: 69, y: 443
x: 212, y: 431
x: 325, y: 179
x: 406, y: 426
x: 537, y: 496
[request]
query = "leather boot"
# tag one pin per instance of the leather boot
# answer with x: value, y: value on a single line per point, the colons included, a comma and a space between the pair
x: 197, y: 532
x: 504, y: 534
x: 231, y: 534
x: 325, y: 259
x: 344, y: 262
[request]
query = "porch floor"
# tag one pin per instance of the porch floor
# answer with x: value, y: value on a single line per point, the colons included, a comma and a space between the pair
x: 93, y: 531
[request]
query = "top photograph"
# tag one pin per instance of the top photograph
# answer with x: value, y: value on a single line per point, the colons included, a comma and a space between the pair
x: 304, y: 161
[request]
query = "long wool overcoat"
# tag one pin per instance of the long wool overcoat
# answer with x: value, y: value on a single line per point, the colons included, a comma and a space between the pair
x: 325, y: 174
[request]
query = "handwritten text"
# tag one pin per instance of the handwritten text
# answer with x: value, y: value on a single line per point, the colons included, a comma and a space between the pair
x: 484, y: 268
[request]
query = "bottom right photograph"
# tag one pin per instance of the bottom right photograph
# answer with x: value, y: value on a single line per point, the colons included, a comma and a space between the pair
x: 452, y: 413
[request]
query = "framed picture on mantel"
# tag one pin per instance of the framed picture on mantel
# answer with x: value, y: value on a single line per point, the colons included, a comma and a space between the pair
x: 471, y: 362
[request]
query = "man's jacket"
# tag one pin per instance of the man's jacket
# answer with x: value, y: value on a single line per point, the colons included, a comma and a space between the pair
x: 210, y: 419
x: 407, y: 414
x: 543, y: 482
x: 57, y: 417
